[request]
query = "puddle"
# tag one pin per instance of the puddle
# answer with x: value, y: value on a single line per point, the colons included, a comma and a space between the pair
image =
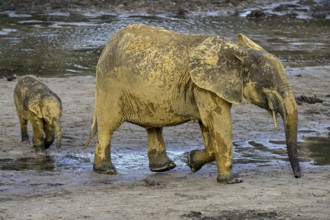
x: 259, y: 153
x: 47, y: 163
x: 317, y: 148
x: 313, y: 150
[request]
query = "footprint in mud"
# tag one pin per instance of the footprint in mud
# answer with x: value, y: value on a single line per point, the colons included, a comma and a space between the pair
x: 153, y: 183
x: 233, y: 215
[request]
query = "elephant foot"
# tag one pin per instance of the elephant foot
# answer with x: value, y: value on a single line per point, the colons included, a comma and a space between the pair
x: 25, y: 140
x: 40, y: 149
x: 105, y: 169
x: 194, y: 166
x: 47, y: 144
x: 162, y: 167
x: 231, y: 179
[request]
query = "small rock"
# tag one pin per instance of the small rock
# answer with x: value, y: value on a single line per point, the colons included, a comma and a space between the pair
x: 181, y: 11
x: 309, y: 100
x: 11, y: 78
x: 256, y: 14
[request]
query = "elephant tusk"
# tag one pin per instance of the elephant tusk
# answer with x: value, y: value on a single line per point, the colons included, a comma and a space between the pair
x: 274, y: 118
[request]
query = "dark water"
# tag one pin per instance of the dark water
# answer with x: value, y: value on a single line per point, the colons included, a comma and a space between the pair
x: 318, y: 149
x: 313, y: 150
x: 62, y: 44
x: 47, y: 163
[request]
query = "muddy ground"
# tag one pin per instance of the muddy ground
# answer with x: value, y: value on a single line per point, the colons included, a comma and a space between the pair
x: 63, y: 185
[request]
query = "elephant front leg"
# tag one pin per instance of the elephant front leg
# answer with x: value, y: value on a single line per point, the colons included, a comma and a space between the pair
x: 221, y: 134
x: 158, y: 159
x: 216, y: 127
x: 49, y: 132
x: 39, y: 144
x: 223, y: 156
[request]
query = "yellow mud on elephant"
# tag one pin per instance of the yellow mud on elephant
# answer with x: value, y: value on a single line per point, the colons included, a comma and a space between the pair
x: 155, y: 78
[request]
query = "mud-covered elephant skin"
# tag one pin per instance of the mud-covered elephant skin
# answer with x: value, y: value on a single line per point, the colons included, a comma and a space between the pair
x: 155, y: 78
x: 36, y: 103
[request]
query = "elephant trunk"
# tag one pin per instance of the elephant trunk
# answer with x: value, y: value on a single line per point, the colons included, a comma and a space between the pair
x: 289, y: 113
x: 58, y: 129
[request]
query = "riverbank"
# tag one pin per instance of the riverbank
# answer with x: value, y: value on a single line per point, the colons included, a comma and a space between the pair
x: 312, y: 8
x: 63, y: 185
x: 127, y: 6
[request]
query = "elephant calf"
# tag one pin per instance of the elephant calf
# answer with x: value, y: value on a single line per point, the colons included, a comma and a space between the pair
x: 36, y: 103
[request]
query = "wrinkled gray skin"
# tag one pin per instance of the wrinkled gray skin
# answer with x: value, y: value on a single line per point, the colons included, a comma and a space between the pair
x: 36, y: 103
x: 155, y: 78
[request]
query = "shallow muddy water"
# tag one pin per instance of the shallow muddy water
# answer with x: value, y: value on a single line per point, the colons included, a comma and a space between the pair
x: 313, y: 150
x: 60, y: 44
x: 317, y: 148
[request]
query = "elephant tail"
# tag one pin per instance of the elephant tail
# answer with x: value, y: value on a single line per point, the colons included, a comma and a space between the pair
x: 92, y: 131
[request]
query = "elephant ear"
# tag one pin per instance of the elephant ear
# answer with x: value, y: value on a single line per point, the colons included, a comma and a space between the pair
x: 215, y: 65
x: 34, y: 106
x: 246, y: 42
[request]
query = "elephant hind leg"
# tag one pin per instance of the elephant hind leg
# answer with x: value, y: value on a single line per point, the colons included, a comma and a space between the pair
x: 158, y: 159
x: 216, y: 126
x: 102, y: 156
x: 196, y: 159
x: 38, y: 139
x: 23, y: 122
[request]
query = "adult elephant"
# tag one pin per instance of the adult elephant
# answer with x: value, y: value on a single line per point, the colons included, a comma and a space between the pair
x: 156, y: 78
